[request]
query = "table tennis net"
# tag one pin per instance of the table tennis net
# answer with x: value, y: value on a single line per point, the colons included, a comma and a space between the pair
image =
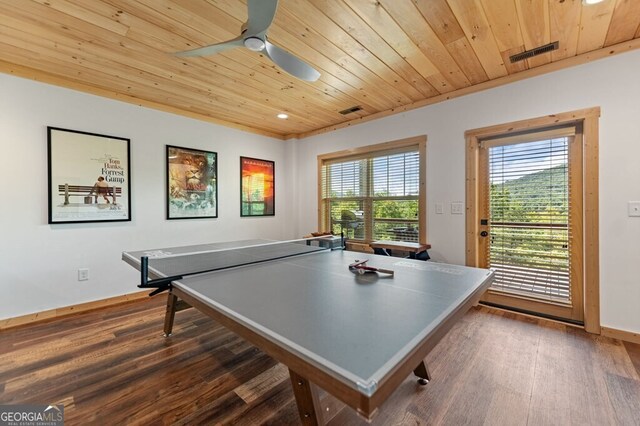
x: 163, y: 267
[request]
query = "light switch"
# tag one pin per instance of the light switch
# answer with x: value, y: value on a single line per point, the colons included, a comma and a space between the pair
x: 439, y: 208
x: 456, y: 208
x: 634, y: 208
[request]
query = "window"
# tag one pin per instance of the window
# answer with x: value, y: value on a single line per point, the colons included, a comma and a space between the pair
x: 375, y: 192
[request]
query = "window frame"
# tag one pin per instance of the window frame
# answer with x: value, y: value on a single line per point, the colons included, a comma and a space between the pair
x: 418, y: 143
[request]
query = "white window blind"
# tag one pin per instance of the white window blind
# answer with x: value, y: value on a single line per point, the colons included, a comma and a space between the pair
x: 529, y: 204
x: 373, y: 197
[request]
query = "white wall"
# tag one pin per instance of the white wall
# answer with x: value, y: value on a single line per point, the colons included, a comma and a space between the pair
x: 39, y: 262
x: 611, y: 83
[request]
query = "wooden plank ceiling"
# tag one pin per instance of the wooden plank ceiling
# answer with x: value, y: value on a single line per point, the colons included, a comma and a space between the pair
x: 384, y: 56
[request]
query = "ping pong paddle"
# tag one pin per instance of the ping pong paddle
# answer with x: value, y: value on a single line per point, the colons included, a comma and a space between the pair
x: 360, y: 266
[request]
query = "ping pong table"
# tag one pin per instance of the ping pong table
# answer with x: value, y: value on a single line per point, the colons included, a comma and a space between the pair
x: 357, y: 336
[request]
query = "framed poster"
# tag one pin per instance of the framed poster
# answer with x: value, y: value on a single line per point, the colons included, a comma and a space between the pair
x: 89, y: 177
x: 257, y: 187
x: 192, y: 183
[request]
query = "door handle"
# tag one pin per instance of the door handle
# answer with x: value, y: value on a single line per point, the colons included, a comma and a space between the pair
x: 484, y: 233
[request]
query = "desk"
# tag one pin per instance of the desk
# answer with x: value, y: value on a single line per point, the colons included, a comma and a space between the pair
x: 356, y: 336
x: 411, y: 248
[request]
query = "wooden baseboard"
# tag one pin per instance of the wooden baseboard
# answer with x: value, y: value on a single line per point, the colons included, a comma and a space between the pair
x: 627, y: 336
x: 70, y: 310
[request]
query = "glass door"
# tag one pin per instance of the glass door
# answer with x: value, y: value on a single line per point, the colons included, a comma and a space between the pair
x: 531, y: 227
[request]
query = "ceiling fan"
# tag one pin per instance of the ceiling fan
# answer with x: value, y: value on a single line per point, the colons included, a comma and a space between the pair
x: 254, y: 37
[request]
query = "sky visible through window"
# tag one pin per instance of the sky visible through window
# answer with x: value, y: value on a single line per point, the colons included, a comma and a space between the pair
x: 518, y: 160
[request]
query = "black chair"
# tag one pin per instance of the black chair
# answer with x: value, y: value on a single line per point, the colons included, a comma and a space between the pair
x: 423, y: 255
x: 383, y: 252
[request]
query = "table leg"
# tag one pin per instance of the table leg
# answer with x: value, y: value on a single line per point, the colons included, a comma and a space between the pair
x: 423, y: 373
x: 170, y: 314
x: 307, y: 399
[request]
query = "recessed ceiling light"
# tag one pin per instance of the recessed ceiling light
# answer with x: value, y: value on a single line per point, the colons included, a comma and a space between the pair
x: 591, y: 1
x: 283, y: 115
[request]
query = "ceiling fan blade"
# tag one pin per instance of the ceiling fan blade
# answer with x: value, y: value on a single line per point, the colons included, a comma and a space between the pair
x: 261, y: 14
x: 291, y: 64
x: 213, y: 48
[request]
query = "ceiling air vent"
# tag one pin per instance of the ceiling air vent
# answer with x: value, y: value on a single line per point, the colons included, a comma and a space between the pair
x: 350, y: 110
x: 534, y: 52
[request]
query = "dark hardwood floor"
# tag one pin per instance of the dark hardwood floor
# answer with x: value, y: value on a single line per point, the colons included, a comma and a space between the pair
x: 113, y: 366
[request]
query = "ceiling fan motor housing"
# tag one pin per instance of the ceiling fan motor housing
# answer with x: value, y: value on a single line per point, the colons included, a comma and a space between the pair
x: 254, y: 43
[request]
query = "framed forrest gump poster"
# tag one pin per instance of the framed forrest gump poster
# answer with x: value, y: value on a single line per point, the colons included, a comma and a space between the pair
x: 89, y: 177
x: 192, y: 183
x: 257, y: 187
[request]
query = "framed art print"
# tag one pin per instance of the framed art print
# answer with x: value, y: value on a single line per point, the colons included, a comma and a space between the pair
x: 257, y: 187
x: 192, y: 183
x: 89, y: 177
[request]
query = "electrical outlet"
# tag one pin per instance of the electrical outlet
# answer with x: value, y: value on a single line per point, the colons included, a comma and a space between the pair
x: 83, y: 274
x: 456, y: 208
x: 439, y: 208
x: 634, y: 208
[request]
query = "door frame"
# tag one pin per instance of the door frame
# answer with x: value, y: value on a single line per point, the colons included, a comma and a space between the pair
x: 589, y: 119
